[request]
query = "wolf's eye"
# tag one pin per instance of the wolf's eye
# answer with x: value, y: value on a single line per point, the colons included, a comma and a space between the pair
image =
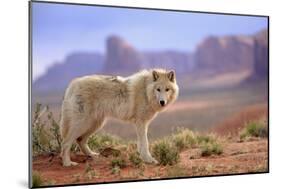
x: 158, y: 90
x: 167, y: 89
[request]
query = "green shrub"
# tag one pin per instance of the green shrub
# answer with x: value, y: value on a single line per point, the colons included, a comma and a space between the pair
x: 210, y: 148
x: 201, y: 139
x: 135, y: 159
x: 184, y: 139
x: 179, y: 142
x: 89, y: 172
x: 254, y: 129
x: 45, y: 131
x: 55, y: 130
x: 165, y: 152
x: 36, y: 179
x: 118, y: 162
x: 209, y: 145
x: 115, y: 170
x: 101, y: 141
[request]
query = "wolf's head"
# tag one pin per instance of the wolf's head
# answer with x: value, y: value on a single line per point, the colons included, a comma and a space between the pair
x: 162, y: 89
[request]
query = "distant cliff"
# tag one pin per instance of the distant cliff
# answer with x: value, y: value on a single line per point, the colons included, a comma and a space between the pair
x: 120, y: 56
x: 60, y: 74
x: 225, y: 54
x: 217, y: 55
x: 213, y: 56
x: 261, y: 54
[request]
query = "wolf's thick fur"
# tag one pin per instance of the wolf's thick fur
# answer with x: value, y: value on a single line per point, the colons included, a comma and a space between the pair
x: 137, y: 99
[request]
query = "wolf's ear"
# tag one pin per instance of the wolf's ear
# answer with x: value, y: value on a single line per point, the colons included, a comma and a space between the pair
x: 155, y: 75
x: 171, y: 75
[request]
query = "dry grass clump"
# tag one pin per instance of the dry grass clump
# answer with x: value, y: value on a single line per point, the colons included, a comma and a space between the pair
x: 208, y: 149
x: 135, y: 159
x: 101, y: 141
x: 254, y: 129
x: 165, y: 152
x: 118, y: 162
x: 45, y: 131
x: 184, y: 139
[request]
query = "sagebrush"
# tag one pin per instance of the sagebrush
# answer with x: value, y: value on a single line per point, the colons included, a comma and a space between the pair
x: 165, y: 152
x: 45, y: 131
x: 254, y: 129
x: 135, y: 159
x: 211, y: 148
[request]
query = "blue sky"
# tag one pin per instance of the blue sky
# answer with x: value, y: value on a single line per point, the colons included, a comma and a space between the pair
x: 60, y: 29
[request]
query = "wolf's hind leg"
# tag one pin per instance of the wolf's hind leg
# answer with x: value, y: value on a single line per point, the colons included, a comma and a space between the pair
x: 67, y: 139
x: 65, y: 150
x: 82, y: 141
x: 73, y: 132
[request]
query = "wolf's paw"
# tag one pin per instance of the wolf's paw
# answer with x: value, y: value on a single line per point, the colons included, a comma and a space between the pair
x: 150, y: 160
x: 93, y: 154
x: 69, y: 163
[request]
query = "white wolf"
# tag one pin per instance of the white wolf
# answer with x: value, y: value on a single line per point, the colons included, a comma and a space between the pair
x: 137, y: 99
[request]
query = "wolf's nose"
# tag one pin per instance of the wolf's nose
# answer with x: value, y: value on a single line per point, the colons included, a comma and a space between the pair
x: 162, y: 102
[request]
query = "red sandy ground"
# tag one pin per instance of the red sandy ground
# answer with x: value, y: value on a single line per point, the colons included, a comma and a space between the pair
x: 237, y: 157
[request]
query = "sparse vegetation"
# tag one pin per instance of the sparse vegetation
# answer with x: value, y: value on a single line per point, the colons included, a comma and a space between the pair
x: 88, y: 168
x: 90, y: 175
x: 106, y: 152
x: 36, y: 179
x: 207, y: 143
x: 254, y: 129
x: 165, y: 152
x: 135, y: 159
x: 101, y: 141
x: 203, y: 139
x: 209, y: 168
x: 184, y: 139
x: 46, y: 136
x: 188, y: 139
x: 89, y: 172
x: 118, y: 162
x: 261, y: 168
x: 199, y: 170
x: 176, y: 171
x: 45, y: 131
x: 115, y: 170
x: 210, y: 148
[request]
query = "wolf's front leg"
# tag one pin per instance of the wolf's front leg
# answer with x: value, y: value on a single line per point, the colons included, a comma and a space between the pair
x: 142, y: 143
